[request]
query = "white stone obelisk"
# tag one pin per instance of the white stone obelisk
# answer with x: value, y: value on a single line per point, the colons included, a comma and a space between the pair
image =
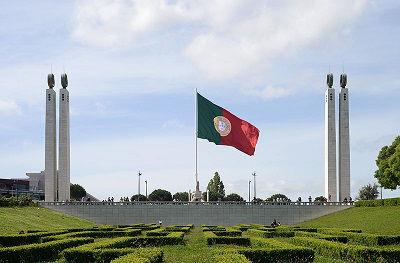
x: 50, y: 155
x: 344, y: 141
x: 64, y: 143
x: 330, y: 142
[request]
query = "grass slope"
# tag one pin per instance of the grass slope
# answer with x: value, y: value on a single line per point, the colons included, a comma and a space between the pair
x: 13, y: 220
x: 380, y: 220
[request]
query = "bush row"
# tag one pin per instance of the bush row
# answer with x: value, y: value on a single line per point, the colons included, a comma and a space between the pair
x: 212, y: 239
x: 153, y: 255
x: 229, y: 232
x: 231, y: 258
x: 177, y: 228
x: 337, y: 230
x: 95, y: 234
x: 278, y: 255
x: 40, y: 252
x: 335, y: 238
x: 375, y: 203
x: 270, y: 234
x: 355, y: 253
x: 365, y: 238
x: 12, y: 202
x: 130, y: 258
x: 157, y: 232
x: 25, y: 239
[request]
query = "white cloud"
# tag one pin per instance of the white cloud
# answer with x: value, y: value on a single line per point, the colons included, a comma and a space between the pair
x: 269, y: 92
x: 228, y: 38
x: 9, y: 108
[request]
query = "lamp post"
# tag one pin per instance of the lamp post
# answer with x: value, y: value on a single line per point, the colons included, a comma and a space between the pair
x: 249, y: 191
x: 254, y: 182
x: 146, y: 189
x: 138, y: 198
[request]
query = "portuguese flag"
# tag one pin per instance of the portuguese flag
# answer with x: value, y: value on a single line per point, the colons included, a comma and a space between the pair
x: 221, y: 127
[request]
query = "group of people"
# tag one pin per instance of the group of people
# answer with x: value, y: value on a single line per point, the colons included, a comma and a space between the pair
x: 124, y: 199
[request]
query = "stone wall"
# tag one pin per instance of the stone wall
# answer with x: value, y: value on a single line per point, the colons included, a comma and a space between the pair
x: 195, y: 213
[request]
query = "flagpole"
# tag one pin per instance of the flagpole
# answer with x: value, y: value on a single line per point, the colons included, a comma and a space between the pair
x: 197, y: 179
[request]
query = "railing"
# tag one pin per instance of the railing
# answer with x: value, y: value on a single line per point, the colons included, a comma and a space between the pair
x: 213, y: 203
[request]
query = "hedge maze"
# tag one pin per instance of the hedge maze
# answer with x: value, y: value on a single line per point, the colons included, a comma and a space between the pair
x: 149, y: 243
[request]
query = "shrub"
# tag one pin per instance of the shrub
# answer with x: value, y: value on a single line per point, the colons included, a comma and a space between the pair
x: 366, y: 239
x: 212, y: 239
x: 231, y: 258
x: 278, y: 255
x: 130, y: 258
x: 270, y: 234
x: 40, y: 252
x: 103, y: 252
x: 177, y: 229
x: 341, y: 239
x: 230, y: 232
x: 95, y: 234
x: 349, y: 252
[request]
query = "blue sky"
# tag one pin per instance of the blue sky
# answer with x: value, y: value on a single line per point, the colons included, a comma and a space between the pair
x: 133, y: 67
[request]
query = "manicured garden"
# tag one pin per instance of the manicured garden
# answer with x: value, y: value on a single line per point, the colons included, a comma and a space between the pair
x: 32, y: 234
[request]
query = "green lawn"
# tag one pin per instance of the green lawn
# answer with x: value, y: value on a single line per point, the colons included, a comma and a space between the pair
x: 380, y: 220
x: 13, y: 220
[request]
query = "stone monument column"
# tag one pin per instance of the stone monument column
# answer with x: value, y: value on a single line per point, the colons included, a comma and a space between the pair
x: 50, y: 153
x: 330, y: 142
x: 344, y: 141
x: 64, y: 143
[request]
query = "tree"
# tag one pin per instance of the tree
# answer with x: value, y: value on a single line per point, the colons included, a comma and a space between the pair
x: 181, y: 196
x: 77, y: 192
x: 141, y: 198
x: 216, y: 188
x: 234, y: 198
x: 160, y: 195
x: 368, y: 192
x: 320, y: 199
x: 388, y: 162
x: 274, y: 197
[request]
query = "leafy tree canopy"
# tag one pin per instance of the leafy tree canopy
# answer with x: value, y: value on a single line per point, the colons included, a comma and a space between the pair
x: 216, y: 188
x: 160, y: 195
x: 274, y: 197
x: 388, y: 162
x: 77, y: 191
x: 320, y: 199
x: 141, y: 198
x: 181, y: 196
x: 368, y: 192
x: 233, y: 197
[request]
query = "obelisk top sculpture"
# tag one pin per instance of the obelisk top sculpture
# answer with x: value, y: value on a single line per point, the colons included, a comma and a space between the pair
x: 343, y: 80
x: 329, y: 80
x: 64, y: 80
x: 50, y: 80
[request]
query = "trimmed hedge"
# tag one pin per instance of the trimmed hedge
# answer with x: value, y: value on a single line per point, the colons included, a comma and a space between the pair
x: 229, y: 232
x: 87, y: 254
x: 177, y: 229
x: 341, y: 239
x: 157, y: 232
x: 366, y: 239
x: 40, y: 252
x: 278, y: 255
x: 231, y: 258
x: 375, y: 203
x: 270, y: 234
x: 130, y: 258
x: 95, y: 234
x: 25, y: 239
x: 349, y: 252
x: 212, y: 239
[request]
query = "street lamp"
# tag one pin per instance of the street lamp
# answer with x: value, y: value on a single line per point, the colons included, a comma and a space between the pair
x: 139, y: 187
x: 254, y: 182
x: 249, y: 191
x: 146, y: 189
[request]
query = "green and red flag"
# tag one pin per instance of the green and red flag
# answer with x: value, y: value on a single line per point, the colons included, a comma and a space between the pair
x: 221, y: 127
